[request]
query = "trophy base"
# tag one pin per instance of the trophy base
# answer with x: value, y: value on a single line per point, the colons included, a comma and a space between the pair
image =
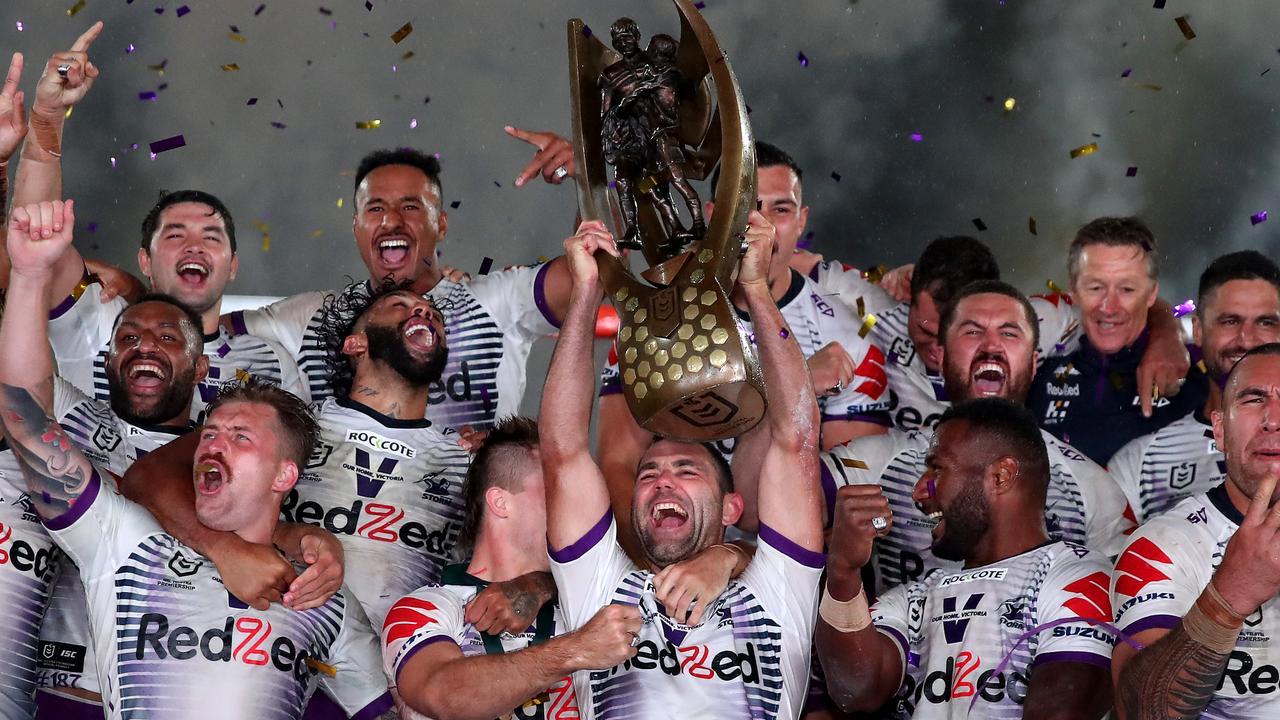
x: 715, y: 413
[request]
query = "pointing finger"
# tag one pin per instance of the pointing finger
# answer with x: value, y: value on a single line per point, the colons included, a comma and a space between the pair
x: 83, y: 42
x: 533, y: 138
x: 15, y: 74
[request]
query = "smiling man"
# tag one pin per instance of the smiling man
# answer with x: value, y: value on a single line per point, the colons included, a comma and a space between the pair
x: 1091, y: 398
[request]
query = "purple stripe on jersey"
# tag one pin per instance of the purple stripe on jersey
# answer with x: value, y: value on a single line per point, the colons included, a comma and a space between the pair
x: 1162, y: 622
x: 813, y: 271
x: 78, y: 506
x: 540, y: 295
x: 878, y: 417
x: 375, y: 708
x: 586, y: 542
x: 829, y: 491
x: 787, y: 547
x: 1076, y: 656
x: 898, y: 638
x: 414, y: 651
x: 59, y: 706
x: 67, y: 303
x: 237, y: 323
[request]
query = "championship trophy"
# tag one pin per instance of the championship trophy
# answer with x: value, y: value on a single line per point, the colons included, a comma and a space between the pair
x: 660, y: 116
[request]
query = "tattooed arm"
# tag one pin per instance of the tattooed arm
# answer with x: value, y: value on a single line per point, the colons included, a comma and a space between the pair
x: 57, y: 473
x: 1173, y: 678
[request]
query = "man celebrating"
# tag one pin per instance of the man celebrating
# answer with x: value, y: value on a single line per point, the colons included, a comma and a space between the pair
x: 751, y: 656
x: 1198, y: 585
x: 988, y: 335
x: 1097, y: 397
x: 1237, y: 309
x: 1013, y: 633
x: 249, y: 457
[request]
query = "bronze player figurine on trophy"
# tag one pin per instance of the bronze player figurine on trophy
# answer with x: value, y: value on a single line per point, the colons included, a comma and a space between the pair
x: 688, y: 369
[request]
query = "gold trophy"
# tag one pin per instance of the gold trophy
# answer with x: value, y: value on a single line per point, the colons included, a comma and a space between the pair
x: 660, y: 116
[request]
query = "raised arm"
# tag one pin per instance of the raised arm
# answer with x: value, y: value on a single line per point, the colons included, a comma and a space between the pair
x: 39, y: 174
x: 13, y: 128
x: 576, y: 493
x: 789, y: 491
x: 1166, y: 360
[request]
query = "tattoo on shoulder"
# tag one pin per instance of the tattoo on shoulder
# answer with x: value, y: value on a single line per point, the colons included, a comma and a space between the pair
x: 56, y: 471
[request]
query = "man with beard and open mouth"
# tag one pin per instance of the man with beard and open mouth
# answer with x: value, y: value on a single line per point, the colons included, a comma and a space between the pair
x: 1014, y: 633
x: 154, y: 363
x: 742, y: 652
x: 1237, y: 309
x: 989, y: 336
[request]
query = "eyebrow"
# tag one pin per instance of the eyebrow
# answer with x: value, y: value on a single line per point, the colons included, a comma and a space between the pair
x: 162, y: 323
x: 1252, y: 392
x: 182, y: 226
x: 403, y: 198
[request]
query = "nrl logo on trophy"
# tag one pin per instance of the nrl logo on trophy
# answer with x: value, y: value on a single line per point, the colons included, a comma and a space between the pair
x: 647, y: 119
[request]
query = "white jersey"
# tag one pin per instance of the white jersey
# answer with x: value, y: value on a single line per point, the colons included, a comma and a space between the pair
x: 66, y: 640
x: 1177, y: 461
x: 846, y: 284
x: 815, y: 322
x: 956, y: 628
x: 391, y: 491
x: 80, y: 334
x: 490, y: 322
x: 750, y: 659
x: 917, y: 398
x: 171, y: 642
x: 435, y: 614
x: 1083, y: 504
x: 1165, y: 568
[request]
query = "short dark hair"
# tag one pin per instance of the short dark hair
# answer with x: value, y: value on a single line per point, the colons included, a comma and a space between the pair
x: 1272, y: 348
x: 428, y: 164
x: 152, y: 221
x: 1114, y: 232
x: 1242, y: 265
x: 767, y: 155
x: 1012, y: 430
x: 299, y: 431
x: 496, y: 464
x: 195, y: 335
x: 982, y: 287
x: 340, y: 314
x: 948, y: 264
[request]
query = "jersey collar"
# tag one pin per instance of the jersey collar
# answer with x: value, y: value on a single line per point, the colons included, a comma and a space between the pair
x: 793, y: 291
x: 384, y: 420
x: 1222, y: 502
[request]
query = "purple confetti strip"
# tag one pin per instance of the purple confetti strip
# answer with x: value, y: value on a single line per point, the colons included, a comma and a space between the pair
x: 1159, y: 4
x: 784, y: 333
x: 455, y: 204
x: 486, y: 265
x: 917, y: 137
x: 260, y: 9
x: 278, y: 125
x: 252, y: 101
x: 183, y: 10
x: 1186, y: 307
x: 977, y: 222
x: 20, y: 27
x: 752, y: 338
x: 148, y: 95
x: 133, y: 146
x: 1126, y: 72
x: 700, y: 5
x: 129, y: 49
x: 92, y: 227
x: 806, y: 241
x: 1258, y: 217
x: 169, y: 143
x: 1132, y: 171
x: 368, y: 5
x: 586, y: 31
x: 835, y: 176
x: 413, y: 124
x: 804, y: 61
x: 160, y: 11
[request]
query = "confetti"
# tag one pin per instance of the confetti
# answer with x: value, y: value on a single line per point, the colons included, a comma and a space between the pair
x: 19, y: 24
x: 406, y: 56
x: 368, y: 124
x: 75, y: 8
x: 1009, y: 104
x: 1186, y: 307
x: 917, y: 137
x: 325, y: 11
x: 977, y: 222
x: 700, y: 5
x: 340, y: 201
x: 413, y: 124
x: 862, y: 306
x: 806, y: 241
x: 149, y: 95
x: 1089, y: 149
x: 1159, y: 4
x: 320, y: 667
x: 875, y: 274
x: 230, y: 67
x: 183, y: 10
x: 237, y: 37
x: 1053, y: 287
x: 1149, y: 86
x: 804, y: 61
x: 1126, y: 72
x: 170, y: 143
x: 159, y: 68
x: 129, y: 49
x: 92, y: 227
x: 486, y: 265
x: 784, y: 333
x: 1132, y: 171
x: 265, y: 229
x: 260, y: 9
x: 316, y: 233
x: 252, y: 101
x: 1185, y: 27
x: 1031, y: 225
x: 402, y: 33
x: 868, y: 322
x: 455, y: 204
x: 855, y: 464
x: 69, y: 111
x: 278, y: 125
x: 368, y: 5
x: 586, y: 31
x: 835, y: 176
x: 113, y: 162
x: 1258, y: 217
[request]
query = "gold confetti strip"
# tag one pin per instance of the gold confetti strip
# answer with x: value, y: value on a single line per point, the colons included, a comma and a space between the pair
x: 266, y: 234
x: 1031, y: 225
x: 75, y: 8
x: 243, y: 375
x: 1203, y: 368
x: 862, y: 307
x: 230, y: 67
x: 1185, y: 27
x: 368, y: 124
x: 407, y: 55
x: 316, y: 233
x: 855, y: 464
x: 237, y: 37
x: 1083, y: 150
x: 1009, y: 104
x: 868, y: 322
x: 1053, y: 287
x: 340, y: 202
x: 1149, y: 86
x: 875, y: 275
x: 73, y: 107
x: 318, y: 666
x: 402, y: 33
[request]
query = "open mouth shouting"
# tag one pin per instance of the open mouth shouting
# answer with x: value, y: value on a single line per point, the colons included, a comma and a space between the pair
x: 668, y: 515
x: 419, y: 334
x: 194, y: 272
x: 392, y: 250
x: 147, y: 375
x: 212, y: 475
x: 988, y: 377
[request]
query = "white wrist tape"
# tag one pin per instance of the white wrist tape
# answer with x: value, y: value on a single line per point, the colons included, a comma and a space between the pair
x: 845, y: 616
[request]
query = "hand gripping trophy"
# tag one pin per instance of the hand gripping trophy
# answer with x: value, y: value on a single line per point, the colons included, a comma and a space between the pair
x: 660, y: 116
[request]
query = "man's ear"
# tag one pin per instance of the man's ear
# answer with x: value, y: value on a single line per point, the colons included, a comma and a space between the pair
x: 355, y: 344
x: 235, y: 267
x: 1003, y: 475
x: 144, y: 262
x: 731, y: 509
x: 1219, y: 435
x: 202, y: 368
x: 286, y: 478
x: 1197, y: 334
x: 496, y: 501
